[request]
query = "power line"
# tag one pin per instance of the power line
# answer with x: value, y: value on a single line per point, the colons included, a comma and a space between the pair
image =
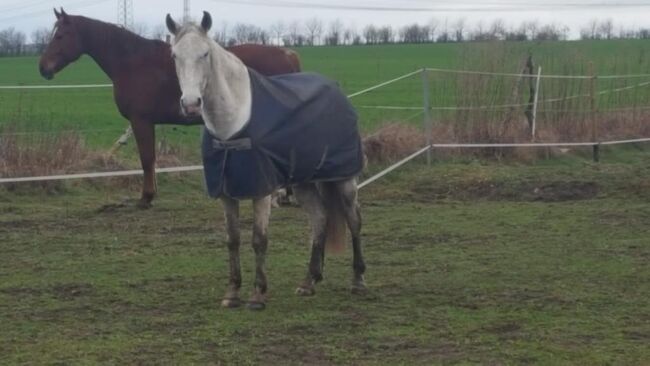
x: 484, y: 7
x: 22, y: 5
x: 75, y: 5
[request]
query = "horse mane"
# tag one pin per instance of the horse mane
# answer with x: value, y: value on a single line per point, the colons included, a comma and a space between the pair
x: 107, y: 33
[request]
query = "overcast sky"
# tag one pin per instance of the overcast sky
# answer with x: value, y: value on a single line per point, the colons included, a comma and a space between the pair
x: 27, y: 15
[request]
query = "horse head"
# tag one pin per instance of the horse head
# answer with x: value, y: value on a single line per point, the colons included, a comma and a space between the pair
x: 191, y: 53
x: 65, y: 46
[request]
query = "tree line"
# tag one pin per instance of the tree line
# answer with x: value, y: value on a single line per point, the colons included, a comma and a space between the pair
x: 316, y: 32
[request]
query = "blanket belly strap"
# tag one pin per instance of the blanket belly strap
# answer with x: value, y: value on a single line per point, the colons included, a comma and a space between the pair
x: 237, y: 144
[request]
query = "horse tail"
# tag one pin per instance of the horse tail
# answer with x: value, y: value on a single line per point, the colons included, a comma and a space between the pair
x: 336, y: 221
x: 294, y: 59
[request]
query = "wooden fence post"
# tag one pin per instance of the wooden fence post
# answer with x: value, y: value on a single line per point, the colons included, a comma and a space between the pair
x: 536, y: 92
x: 428, y: 128
x: 594, y: 110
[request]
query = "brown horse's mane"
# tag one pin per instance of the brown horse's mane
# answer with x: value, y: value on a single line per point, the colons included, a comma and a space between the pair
x: 108, y: 34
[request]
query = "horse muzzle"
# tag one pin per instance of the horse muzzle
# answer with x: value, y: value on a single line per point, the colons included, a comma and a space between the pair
x: 46, y: 72
x: 191, y: 107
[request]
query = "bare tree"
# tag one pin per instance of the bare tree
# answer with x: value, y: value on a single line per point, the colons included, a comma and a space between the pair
x: 159, y: 32
x: 221, y: 35
x: 552, y: 32
x: 277, y: 31
x: 349, y: 34
x: 314, y: 30
x: 40, y: 38
x: 295, y: 34
x: 591, y: 30
x: 459, y: 27
x: 531, y: 28
x: 140, y: 29
x: 370, y: 34
x: 433, y: 28
x: 606, y: 29
x: 498, y: 29
x: 334, y: 33
x: 386, y: 34
x: 249, y: 33
x: 12, y: 42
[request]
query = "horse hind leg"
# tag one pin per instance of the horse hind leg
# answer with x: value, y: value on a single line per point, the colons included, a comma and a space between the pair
x: 231, y: 209
x: 311, y: 201
x: 262, y: 213
x: 349, y: 197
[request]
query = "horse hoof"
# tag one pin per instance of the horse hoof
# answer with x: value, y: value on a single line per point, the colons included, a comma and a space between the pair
x: 305, y: 291
x: 359, y: 289
x: 143, y: 205
x: 254, y: 305
x: 231, y: 303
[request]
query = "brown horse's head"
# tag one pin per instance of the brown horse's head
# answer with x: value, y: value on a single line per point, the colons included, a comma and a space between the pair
x: 64, y: 47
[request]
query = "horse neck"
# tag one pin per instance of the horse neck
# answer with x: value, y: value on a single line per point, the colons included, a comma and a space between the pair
x: 107, y: 44
x: 228, y: 111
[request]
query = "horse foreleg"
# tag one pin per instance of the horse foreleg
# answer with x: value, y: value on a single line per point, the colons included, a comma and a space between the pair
x: 231, y: 210
x: 348, y: 191
x: 311, y: 201
x: 144, y: 132
x: 262, y: 213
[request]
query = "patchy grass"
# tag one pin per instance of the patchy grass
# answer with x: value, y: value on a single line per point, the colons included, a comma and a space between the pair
x: 468, y: 262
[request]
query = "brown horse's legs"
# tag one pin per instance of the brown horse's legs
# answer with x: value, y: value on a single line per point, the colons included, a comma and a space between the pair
x: 144, y: 132
x: 309, y: 197
x: 348, y: 192
x: 231, y: 210
x: 262, y: 213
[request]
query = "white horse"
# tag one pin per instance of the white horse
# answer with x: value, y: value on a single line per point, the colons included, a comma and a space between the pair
x: 218, y: 86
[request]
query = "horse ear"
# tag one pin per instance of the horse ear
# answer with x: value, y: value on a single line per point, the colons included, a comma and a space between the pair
x: 171, y: 24
x: 64, y: 15
x: 57, y: 14
x: 206, y: 22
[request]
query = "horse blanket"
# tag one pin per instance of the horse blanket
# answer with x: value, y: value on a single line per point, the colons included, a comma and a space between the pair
x: 302, y: 129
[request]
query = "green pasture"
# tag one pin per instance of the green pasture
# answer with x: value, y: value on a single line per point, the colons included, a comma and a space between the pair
x: 468, y: 263
x: 93, y: 113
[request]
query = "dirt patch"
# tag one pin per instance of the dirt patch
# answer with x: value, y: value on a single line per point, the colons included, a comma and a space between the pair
x: 498, y: 191
x: 506, y: 330
x: 65, y: 291
x: 6, y: 226
x: 637, y: 335
x: 71, y: 291
x: 416, y: 352
x: 287, y: 353
x: 184, y: 230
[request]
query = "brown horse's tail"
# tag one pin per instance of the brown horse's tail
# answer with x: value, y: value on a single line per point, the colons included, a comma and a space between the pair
x: 294, y: 59
x: 336, y: 222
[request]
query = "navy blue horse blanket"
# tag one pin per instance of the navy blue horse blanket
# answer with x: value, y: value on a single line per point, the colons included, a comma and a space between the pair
x: 302, y: 129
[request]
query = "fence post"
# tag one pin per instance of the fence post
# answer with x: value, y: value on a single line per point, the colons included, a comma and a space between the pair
x: 534, y: 127
x: 427, y: 112
x: 594, y: 110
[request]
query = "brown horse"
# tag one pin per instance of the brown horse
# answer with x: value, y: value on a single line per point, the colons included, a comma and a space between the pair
x: 145, y: 85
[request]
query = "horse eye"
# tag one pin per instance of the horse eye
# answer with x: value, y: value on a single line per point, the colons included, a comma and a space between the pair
x: 204, y: 55
x: 58, y: 36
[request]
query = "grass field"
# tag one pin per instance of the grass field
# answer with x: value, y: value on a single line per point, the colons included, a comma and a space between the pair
x: 469, y: 261
x: 355, y: 68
